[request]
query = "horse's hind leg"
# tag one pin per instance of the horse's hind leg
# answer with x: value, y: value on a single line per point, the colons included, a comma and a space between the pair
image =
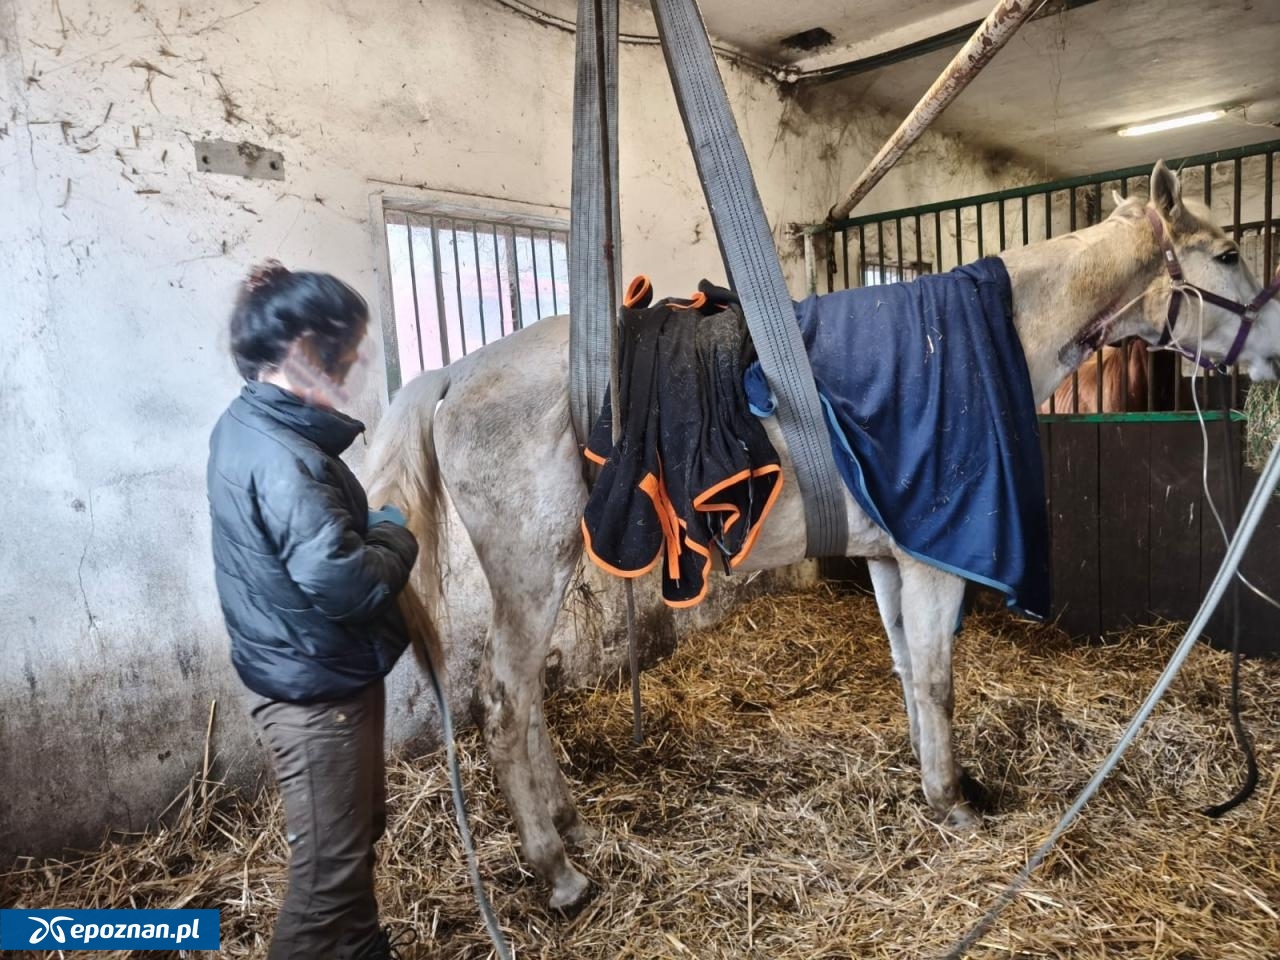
x: 887, y: 581
x: 551, y: 782
x: 511, y: 696
x: 931, y: 602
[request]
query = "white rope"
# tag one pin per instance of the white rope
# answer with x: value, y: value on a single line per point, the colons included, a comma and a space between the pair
x: 1198, y: 372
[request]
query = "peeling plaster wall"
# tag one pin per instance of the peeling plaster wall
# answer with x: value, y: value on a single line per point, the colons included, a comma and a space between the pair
x: 120, y: 262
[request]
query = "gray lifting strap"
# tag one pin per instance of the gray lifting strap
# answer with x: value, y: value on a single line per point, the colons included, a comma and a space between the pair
x: 751, y: 259
x: 591, y: 288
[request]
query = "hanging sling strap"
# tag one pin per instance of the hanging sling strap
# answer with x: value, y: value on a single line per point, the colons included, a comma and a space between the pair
x: 593, y: 213
x: 751, y: 259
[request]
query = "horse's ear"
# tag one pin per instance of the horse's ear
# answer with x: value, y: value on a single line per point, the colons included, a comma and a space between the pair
x: 1125, y: 209
x: 1166, y: 190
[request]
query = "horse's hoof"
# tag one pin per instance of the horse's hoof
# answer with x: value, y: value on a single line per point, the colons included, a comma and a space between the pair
x: 571, y: 893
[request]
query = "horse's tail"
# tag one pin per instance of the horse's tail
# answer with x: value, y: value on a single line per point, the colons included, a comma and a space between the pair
x: 403, y: 470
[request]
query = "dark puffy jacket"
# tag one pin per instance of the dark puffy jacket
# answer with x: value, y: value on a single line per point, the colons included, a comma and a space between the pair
x: 307, y: 587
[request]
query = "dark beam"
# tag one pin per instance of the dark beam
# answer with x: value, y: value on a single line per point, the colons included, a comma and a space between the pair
x: 941, y: 41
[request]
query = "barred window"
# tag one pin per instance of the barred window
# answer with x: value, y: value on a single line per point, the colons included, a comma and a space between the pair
x: 459, y: 283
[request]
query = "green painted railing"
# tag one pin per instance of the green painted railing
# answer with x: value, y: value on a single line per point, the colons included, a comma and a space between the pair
x: 1038, y: 189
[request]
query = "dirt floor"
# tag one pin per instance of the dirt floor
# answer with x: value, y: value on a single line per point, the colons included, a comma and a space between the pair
x: 774, y: 811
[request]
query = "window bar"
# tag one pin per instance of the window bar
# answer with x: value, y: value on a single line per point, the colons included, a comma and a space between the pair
x: 1268, y: 190
x: 1000, y: 222
x: 831, y: 260
x: 844, y: 253
x: 413, y: 285
x: 1026, y: 222
x: 1235, y: 235
x: 1071, y: 228
x: 862, y: 255
x: 497, y: 281
x: 937, y: 237
x: 897, y: 236
x: 1124, y: 344
x: 551, y: 261
x: 475, y: 250
x: 880, y: 249
x: 440, y: 314
x: 1095, y: 215
x: 1048, y: 233
x: 978, y: 210
x: 457, y: 285
x: 1207, y: 173
x: 919, y: 248
x: 959, y: 241
x: 517, y: 304
x: 533, y: 259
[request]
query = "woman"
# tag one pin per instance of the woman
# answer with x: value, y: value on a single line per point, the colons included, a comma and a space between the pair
x: 308, y: 579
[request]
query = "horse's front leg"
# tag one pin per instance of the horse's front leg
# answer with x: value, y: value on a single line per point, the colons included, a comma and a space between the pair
x: 887, y: 581
x: 931, y: 601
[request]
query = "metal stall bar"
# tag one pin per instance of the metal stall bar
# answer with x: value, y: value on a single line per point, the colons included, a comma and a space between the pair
x: 413, y: 285
x: 445, y: 358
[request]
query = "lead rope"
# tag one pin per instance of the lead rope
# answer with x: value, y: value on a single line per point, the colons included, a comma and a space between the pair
x: 1250, y: 783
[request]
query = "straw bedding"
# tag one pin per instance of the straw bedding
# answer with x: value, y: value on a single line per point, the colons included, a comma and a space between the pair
x: 774, y: 811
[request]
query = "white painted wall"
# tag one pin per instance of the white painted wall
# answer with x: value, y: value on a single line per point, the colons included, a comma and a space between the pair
x: 120, y: 261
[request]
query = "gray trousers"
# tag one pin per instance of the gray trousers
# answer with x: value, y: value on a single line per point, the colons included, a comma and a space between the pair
x: 328, y: 760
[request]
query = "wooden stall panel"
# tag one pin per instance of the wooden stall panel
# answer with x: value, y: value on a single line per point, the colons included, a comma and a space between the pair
x: 1124, y: 529
x: 1175, y: 519
x: 1073, y: 521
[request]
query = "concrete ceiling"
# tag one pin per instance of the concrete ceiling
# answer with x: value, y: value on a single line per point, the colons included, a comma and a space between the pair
x: 1056, y: 94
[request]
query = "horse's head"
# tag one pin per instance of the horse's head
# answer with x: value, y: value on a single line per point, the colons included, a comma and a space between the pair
x: 1216, y: 290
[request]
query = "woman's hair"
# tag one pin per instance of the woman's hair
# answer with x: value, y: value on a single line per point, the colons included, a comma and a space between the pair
x: 275, y: 307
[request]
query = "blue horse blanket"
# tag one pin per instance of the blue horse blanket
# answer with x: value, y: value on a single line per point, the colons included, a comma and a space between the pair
x: 933, y: 422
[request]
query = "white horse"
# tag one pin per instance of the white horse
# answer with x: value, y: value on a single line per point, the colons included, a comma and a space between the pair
x: 495, y: 428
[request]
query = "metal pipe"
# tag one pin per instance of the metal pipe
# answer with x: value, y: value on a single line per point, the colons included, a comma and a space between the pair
x: 995, y: 31
x: 810, y: 266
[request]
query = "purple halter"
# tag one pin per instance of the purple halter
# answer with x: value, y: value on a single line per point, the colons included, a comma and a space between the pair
x: 1246, y: 312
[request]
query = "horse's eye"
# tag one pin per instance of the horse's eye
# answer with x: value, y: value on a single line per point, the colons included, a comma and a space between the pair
x: 1229, y: 257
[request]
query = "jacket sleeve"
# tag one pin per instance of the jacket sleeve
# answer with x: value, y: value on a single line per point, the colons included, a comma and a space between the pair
x: 345, y: 575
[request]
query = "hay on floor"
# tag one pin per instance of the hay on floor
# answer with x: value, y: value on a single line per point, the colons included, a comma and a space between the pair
x: 774, y: 811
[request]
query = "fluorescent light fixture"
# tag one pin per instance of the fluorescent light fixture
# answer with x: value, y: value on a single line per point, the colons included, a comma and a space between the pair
x: 1173, y: 123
